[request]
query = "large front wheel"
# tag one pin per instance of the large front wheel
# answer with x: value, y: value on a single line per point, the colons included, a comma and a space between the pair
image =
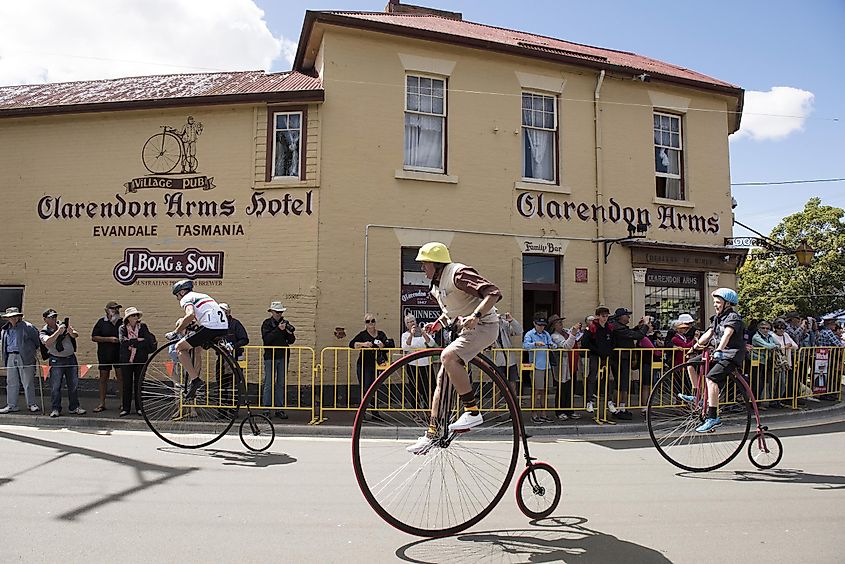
x: 196, y: 422
x: 458, y: 480
x: 673, y: 419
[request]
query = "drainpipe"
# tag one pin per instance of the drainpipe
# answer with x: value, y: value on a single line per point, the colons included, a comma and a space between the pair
x: 599, y: 190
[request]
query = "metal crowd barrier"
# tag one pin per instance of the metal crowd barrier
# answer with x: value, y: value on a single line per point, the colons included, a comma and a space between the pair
x: 562, y: 386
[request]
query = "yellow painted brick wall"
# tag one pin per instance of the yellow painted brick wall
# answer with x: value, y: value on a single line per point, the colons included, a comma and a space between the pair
x: 89, y: 157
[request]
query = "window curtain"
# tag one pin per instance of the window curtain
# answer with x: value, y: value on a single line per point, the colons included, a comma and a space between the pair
x: 539, y: 154
x: 423, y: 141
x: 287, y: 153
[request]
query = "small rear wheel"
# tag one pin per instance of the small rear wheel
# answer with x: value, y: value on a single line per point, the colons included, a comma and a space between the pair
x: 765, y: 451
x: 257, y: 432
x: 538, y: 490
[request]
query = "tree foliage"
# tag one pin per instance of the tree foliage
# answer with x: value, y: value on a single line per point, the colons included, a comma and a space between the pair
x: 770, y: 287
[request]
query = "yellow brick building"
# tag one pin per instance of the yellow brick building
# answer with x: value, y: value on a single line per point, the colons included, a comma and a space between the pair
x: 529, y: 156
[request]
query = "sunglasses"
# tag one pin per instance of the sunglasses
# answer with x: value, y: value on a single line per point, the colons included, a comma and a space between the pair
x: 369, y: 321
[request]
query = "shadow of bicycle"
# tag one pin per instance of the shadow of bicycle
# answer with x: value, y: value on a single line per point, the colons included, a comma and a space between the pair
x: 556, y: 539
x: 777, y: 475
x: 236, y: 458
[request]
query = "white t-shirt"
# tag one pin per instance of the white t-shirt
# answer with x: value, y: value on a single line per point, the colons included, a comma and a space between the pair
x: 208, y: 313
x: 422, y: 342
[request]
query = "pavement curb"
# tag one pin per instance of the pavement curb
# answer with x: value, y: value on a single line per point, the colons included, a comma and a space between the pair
x: 584, y: 428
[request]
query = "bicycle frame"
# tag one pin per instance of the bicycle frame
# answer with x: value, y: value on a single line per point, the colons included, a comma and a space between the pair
x: 443, y: 415
x: 737, y: 376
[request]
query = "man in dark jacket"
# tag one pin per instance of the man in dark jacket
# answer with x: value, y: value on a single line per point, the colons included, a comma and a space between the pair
x: 237, y: 334
x: 276, y: 332
x: 598, y: 340
x: 624, y: 339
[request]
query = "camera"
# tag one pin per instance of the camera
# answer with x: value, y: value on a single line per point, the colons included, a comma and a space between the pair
x: 67, y: 322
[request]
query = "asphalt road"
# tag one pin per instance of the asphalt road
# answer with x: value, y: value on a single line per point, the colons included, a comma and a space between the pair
x: 106, y: 496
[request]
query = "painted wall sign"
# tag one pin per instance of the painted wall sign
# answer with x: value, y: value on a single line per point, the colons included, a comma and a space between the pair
x: 672, y: 279
x: 416, y: 296
x: 541, y: 247
x: 190, y: 263
x: 540, y: 205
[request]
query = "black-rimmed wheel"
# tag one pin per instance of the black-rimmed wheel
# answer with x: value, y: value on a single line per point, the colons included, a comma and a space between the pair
x: 538, y: 490
x: 765, y: 452
x: 162, y: 153
x: 458, y: 480
x: 206, y: 417
x: 257, y: 432
x: 672, y: 422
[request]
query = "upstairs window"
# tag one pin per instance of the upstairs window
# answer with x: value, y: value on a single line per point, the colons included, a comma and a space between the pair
x: 425, y: 124
x: 287, y: 144
x: 539, y: 137
x: 668, y: 157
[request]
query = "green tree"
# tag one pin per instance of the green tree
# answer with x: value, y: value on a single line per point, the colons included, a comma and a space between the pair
x: 772, y: 286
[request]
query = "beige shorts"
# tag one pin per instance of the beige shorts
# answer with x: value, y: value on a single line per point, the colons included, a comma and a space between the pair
x: 470, y: 343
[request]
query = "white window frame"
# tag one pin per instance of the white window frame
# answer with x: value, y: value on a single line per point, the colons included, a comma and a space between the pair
x: 679, y: 148
x: 299, y: 154
x: 442, y: 79
x: 555, y: 137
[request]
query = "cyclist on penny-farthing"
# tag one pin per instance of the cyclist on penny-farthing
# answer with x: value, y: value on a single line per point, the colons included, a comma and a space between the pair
x: 468, y: 300
x: 726, y: 336
x: 205, y: 312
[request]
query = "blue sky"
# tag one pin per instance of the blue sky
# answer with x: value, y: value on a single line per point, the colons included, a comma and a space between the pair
x: 794, y: 132
x: 753, y: 44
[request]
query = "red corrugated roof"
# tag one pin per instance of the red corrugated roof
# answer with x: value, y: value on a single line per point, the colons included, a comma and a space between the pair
x: 141, y: 89
x: 461, y: 29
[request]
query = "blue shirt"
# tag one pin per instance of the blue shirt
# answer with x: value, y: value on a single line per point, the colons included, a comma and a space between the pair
x: 540, y: 358
x: 12, y: 336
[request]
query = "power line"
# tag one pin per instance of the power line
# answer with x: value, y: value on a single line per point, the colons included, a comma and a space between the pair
x: 778, y: 182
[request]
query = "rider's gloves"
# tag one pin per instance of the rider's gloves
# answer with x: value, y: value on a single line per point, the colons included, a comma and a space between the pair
x: 718, y: 355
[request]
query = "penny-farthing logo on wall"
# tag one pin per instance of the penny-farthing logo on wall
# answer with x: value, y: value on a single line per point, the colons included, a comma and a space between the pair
x: 171, y: 157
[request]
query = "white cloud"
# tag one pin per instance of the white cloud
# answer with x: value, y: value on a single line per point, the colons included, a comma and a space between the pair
x: 49, y: 41
x: 775, y: 114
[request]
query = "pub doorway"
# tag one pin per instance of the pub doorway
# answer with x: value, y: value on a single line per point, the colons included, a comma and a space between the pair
x: 540, y: 287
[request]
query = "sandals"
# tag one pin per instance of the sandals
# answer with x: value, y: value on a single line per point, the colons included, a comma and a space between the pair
x: 99, y: 408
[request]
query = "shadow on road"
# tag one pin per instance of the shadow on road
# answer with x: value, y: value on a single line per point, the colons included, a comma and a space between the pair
x: 777, y: 475
x: 237, y: 458
x: 644, y: 442
x: 556, y: 539
x: 142, y: 468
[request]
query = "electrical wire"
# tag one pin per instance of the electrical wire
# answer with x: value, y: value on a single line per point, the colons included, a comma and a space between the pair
x: 781, y: 182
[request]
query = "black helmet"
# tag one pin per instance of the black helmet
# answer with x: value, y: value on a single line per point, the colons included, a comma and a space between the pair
x: 183, y: 285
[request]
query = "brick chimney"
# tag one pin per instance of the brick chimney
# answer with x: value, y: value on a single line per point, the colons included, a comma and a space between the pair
x: 396, y: 7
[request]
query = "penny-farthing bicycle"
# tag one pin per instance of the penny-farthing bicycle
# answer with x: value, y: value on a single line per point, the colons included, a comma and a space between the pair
x: 163, y: 151
x: 462, y: 477
x: 211, y: 412
x: 672, y: 422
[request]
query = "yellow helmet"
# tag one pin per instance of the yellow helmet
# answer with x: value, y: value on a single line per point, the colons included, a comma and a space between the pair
x: 434, y: 252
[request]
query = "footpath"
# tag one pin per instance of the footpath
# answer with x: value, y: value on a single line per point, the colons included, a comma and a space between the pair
x: 339, y: 423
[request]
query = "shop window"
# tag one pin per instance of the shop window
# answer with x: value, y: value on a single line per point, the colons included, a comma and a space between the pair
x: 425, y: 124
x: 668, y: 157
x: 415, y: 297
x: 539, y: 137
x: 412, y: 273
x: 287, y: 144
x: 669, y: 294
x: 11, y: 296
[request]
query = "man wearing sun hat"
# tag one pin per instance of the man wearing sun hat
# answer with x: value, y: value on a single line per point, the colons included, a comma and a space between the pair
x: 276, y: 332
x: 18, y: 343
